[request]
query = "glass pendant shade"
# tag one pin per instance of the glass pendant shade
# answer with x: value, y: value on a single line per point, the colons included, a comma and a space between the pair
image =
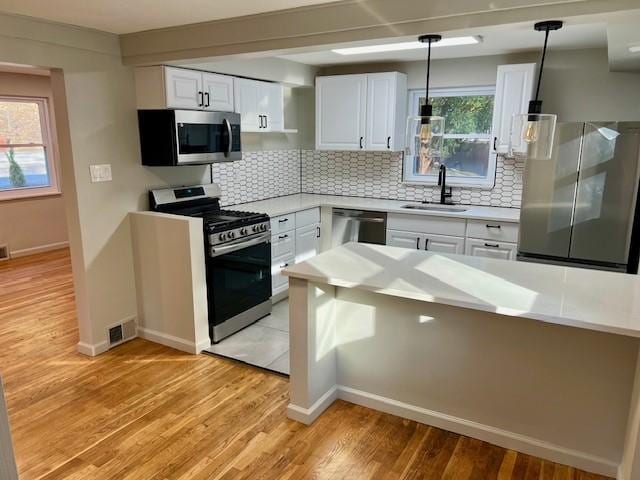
x: 532, y: 136
x: 424, y: 142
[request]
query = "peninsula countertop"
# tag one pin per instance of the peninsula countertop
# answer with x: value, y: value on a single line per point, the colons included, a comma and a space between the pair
x: 589, y: 299
x: 302, y: 201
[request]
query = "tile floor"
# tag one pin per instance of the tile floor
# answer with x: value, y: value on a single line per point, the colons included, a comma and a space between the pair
x: 264, y: 344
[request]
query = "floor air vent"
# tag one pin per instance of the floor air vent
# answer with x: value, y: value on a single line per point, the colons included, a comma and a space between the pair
x: 122, y: 332
x: 4, y: 252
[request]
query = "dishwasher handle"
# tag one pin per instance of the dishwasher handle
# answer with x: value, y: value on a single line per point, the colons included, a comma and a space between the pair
x: 358, y: 218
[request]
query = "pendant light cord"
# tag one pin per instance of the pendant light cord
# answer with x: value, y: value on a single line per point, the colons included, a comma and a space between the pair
x: 426, y: 99
x: 544, y: 54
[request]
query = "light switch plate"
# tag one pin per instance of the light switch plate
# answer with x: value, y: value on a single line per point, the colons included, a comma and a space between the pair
x: 100, y: 173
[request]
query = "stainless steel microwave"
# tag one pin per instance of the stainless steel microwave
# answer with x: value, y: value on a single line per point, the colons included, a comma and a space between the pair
x: 188, y: 137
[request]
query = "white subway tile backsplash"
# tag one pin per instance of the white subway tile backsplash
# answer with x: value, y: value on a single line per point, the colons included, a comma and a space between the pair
x: 379, y: 175
x: 258, y: 175
x: 267, y: 174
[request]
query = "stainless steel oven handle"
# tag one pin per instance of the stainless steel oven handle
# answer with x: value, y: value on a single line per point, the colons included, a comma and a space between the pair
x: 239, y: 245
x: 229, y: 146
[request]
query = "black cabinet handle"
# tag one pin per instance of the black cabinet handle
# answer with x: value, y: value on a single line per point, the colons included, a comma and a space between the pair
x: 426, y: 244
x: 493, y: 226
x: 495, y: 141
x: 266, y: 121
x: 388, y: 142
x: 208, y: 103
x: 201, y: 101
x: 318, y: 232
x: 492, y: 245
x: 283, y: 236
x: 260, y: 121
x: 418, y: 243
x: 282, y: 220
x: 361, y: 138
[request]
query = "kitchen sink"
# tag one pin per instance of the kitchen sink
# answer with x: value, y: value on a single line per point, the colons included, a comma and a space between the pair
x: 435, y: 208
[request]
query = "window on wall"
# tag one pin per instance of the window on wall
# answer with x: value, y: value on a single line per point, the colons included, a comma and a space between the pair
x: 468, y: 114
x: 27, y: 166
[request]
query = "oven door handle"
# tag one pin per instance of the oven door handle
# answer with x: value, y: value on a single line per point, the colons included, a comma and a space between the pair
x: 239, y: 245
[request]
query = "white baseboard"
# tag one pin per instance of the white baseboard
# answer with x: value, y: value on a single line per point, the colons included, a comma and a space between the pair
x: 168, y: 340
x: 203, y: 345
x: 493, y: 435
x: 309, y: 415
x: 92, y: 350
x: 39, y: 249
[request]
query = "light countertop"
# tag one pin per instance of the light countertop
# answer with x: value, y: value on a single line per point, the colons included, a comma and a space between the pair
x: 293, y: 203
x: 589, y: 299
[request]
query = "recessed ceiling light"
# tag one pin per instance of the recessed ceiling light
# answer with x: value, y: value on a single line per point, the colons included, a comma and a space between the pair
x: 395, y: 47
x: 635, y: 49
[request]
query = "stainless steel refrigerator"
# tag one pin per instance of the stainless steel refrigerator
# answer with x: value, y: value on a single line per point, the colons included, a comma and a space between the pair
x: 581, y: 207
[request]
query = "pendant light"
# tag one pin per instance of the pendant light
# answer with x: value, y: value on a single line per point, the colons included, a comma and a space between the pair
x: 532, y: 133
x: 425, y: 132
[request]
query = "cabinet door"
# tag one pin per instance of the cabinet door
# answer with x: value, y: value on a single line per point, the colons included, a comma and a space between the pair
x: 247, y: 100
x: 307, y: 242
x: 514, y: 90
x: 218, y: 92
x: 396, y: 238
x: 341, y: 112
x: 183, y: 88
x: 272, y: 106
x: 443, y: 244
x: 487, y: 248
x: 381, y: 109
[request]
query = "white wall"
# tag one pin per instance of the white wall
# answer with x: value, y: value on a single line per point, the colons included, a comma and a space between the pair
x: 29, y: 224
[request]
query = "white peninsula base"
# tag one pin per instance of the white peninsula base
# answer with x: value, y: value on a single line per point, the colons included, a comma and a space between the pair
x: 546, y: 389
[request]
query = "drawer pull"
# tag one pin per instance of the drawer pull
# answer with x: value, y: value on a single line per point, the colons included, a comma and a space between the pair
x: 418, y: 243
x: 426, y: 244
x: 492, y: 245
x: 283, y: 236
x: 283, y: 220
x: 317, y: 232
x: 493, y: 226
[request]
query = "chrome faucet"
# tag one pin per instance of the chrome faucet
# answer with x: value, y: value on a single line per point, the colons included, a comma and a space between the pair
x: 445, y: 192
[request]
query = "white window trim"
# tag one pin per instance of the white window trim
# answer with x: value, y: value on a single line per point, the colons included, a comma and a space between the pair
x: 50, y: 154
x: 409, y: 178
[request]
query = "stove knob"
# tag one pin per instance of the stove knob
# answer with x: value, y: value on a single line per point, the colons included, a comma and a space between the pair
x: 243, y: 231
x: 231, y: 235
x: 255, y: 228
x: 263, y: 227
x: 222, y: 236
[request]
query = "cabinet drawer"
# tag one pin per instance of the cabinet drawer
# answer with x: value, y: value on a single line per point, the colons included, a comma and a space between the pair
x: 282, y: 245
x: 427, y: 224
x: 477, y: 247
x: 277, y: 265
x: 307, y: 217
x: 283, y: 223
x: 500, y: 231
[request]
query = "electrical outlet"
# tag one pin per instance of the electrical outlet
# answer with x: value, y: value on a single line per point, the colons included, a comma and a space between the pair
x: 100, y: 173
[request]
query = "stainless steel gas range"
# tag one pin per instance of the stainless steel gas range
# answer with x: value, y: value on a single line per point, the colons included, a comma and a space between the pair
x: 238, y: 256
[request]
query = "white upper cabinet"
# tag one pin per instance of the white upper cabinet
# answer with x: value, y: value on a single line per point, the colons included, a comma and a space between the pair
x: 386, y: 111
x: 361, y: 112
x: 218, y: 92
x: 183, y: 88
x: 261, y: 105
x: 341, y: 106
x: 514, y: 90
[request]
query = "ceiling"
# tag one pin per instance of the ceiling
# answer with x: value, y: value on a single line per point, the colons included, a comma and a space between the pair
x: 495, y: 41
x: 126, y: 16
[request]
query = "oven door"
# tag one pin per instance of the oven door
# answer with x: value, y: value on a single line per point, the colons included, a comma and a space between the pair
x: 206, y: 137
x: 238, y: 280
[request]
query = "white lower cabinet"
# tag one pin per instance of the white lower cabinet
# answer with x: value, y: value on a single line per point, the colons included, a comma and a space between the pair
x: 307, y: 242
x: 443, y: 244
x: 295, y: 238
x: 491, y: 249
x: 425, y: 241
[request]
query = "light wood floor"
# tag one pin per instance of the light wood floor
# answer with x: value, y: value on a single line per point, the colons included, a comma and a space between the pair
x: 144, y: 411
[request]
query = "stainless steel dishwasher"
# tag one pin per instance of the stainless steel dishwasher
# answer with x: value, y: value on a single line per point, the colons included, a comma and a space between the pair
x: 358, y: 226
